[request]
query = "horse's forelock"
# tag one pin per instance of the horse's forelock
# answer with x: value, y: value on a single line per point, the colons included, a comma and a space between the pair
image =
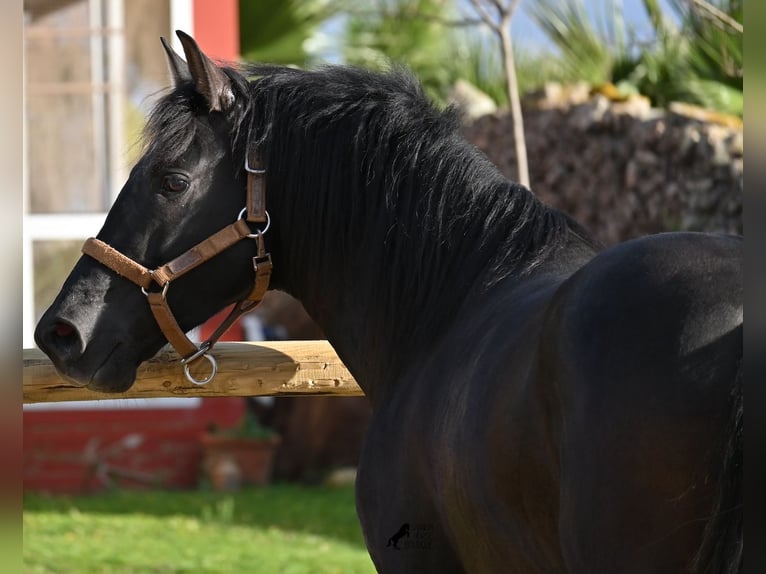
x: 170, y: 129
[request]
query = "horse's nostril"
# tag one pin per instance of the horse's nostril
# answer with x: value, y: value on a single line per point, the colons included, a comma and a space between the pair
x: 59, y: 339
x: 62, y: 329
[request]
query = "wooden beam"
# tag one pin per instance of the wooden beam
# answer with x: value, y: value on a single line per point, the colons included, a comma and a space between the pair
x: 285, y: 368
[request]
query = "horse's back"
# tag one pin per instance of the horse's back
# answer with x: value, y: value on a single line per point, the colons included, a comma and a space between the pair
x: 670, y: 305
x: 644, y: 344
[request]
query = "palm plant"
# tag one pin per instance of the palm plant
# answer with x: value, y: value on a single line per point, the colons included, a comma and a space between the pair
x: 278, y: 31
x: 440, y: 45
x: 588, y: 50
x: 715, y: 56
x: 699, y: 61
x: 441, y: 48
x: 409, y: 32
x: 474, y: 57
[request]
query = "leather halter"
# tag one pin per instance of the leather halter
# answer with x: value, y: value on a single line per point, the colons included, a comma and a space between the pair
x: 254, y: 212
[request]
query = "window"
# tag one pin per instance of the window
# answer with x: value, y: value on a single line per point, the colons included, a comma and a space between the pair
x: 92, y: 68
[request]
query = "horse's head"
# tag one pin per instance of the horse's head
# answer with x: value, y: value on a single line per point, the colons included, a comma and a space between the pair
x: 189, y: 184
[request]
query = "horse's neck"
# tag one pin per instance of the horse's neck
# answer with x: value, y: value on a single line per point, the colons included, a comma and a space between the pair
x: 385, y: 292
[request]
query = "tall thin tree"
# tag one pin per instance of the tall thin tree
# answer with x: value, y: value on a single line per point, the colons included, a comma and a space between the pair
x: 497, y: 15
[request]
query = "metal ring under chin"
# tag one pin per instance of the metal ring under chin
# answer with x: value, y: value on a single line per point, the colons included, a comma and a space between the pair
x: 261, y: 231
x: 207, y: 379
x: 164, y: 290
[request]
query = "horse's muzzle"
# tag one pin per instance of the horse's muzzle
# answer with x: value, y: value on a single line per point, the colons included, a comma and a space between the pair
x: 62, y: 342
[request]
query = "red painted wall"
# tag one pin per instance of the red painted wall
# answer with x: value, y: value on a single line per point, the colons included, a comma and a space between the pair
x: 56, y: 444
x: 216, y: 28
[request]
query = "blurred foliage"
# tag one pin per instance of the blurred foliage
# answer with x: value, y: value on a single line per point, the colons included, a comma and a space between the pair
x: 588, y: 50
x: 715, y: 52
x: 475, y: 57
x: 279, y: 31
x: 249, y: 427
x: 409, y: 32
x: 439, y: 45
x: 699, y: 62
x: 692, y: 56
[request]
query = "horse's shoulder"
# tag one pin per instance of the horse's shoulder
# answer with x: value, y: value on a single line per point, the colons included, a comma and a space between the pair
x: 658, y: 296
x: 668, y: 266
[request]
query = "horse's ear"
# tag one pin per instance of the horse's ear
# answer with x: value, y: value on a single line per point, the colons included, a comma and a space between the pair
x: 179, y: 69
x: 211, y: 81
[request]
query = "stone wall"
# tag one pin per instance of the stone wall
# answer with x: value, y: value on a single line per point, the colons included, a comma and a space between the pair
x: 623, y: 169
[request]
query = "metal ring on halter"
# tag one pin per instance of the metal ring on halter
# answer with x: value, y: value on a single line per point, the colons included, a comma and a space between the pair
x: 201, y: 352
x: 261, y: 231
x: 164, y: 290
x: 207, y: 379
x: 250, y: 169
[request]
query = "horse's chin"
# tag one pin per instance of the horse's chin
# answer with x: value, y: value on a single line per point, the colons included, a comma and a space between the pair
x: 113, y: 377
x: 118, y: 367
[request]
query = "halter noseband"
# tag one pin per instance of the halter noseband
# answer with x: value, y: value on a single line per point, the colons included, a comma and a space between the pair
x: 254, y: 212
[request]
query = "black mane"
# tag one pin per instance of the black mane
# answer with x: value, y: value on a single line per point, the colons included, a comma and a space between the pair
x: 370, y: 135
x: 355, y: 156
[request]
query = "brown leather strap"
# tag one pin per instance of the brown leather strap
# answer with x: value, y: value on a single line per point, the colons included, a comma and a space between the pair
x: 256, y: 197
x: 169, y: 326
x: 242, y: 307
x: 262, y: 278
x: 262, y: 266
x: 176, y: 336
x: 117, y: 262
x: 203, y: 251
x: 256, y: 189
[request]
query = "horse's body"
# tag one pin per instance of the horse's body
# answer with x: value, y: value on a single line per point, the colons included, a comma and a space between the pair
x: 540, y: 426
x: 540, y: 405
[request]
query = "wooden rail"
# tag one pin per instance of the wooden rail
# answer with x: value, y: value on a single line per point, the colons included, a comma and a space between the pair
x: 244, y: 370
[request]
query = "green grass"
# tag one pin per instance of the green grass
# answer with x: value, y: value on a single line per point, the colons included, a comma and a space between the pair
x: 285, y: 529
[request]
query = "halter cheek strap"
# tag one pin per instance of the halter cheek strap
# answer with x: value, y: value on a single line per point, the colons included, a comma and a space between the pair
x: 191, y: 259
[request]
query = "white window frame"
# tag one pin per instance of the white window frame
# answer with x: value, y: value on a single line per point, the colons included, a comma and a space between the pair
x: 106, y: 21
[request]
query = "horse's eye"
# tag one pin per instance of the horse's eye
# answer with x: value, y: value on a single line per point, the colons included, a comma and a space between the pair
x: 175, y: 183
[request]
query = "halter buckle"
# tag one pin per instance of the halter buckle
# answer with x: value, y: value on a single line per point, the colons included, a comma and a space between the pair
x: 164, y: 290
x: 262, y: 260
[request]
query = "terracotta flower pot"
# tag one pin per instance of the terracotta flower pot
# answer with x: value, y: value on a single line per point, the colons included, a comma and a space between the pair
x: 232, y: 461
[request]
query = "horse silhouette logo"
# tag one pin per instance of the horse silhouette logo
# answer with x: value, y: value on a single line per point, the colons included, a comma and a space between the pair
x: 403, y: 532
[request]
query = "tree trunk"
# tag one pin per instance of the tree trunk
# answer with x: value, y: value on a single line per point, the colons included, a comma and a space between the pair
x: 515, y: 102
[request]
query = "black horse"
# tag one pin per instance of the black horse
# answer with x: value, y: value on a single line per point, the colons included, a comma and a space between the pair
x: 540, y: 404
